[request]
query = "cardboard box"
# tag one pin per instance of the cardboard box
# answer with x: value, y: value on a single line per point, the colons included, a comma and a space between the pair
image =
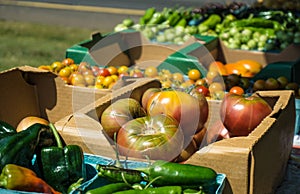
x: 256, y: 163
x: 289, y: 54
x: 132, y: 48
x: 27, y: 91
x: 252, y: 164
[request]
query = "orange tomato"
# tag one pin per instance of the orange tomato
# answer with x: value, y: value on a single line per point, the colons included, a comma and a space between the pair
x: 218, y: 66
x: 194, y: 74
x: 237, y: 90
x: 233, y: 68
x: 112, y: 70
x: 251, y: 65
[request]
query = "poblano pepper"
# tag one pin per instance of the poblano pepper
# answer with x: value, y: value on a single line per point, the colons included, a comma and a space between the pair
x: 19, y: 148
x: 6, y: 129
x: 62, y: 165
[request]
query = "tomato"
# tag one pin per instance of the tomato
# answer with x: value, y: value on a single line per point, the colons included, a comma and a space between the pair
x: 203, y: 90
x: 57, y: 66
x: 107, y: 81
x: 103, y: 72
x: 151, y: 71
x: 65, y: 72
x: 73, y: 67
x: 147, y: 95
x: 112, y: 70
x: 122, y: 69
x: 251, y: 65
x: 156, y: 137
x: 237, y: 90
x: 178, y: 77
x: 77, y: 79
x: 118, y: 113
x: 189, y: 111
x: 194, y: 74
x: 240, y: 114
x: 233, y: 68
x: 67, y: 61
x: 218, y: 66
x: 83, y: 66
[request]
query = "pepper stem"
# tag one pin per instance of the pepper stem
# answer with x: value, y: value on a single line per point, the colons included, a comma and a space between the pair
x: 56, y: 135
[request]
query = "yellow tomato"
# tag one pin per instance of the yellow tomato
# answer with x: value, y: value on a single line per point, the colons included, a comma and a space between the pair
x: 65, y: 72
x: 122, y: 69
x: 112, y: 70
x: 107, y: 81
x: 194, y: 74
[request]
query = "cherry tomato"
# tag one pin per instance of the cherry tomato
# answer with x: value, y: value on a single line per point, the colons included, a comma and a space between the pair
x: 194, y: 74
x: 202, y: 89
x: 103, y: 72
x: 237, y: 90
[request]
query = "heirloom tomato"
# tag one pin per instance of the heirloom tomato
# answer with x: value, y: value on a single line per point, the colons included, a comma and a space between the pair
x: 157, y: 137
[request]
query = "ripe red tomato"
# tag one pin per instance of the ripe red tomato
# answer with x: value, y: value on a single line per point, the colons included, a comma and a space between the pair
x: 203, y: 90
x: 241, y: 115
x: 103, y: 72
x: 158, y: 137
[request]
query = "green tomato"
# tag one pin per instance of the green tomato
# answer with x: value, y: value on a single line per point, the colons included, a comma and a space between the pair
x: 161, y: 38
x: 120, y: 27
x: 233, y: 31
x: 246, y: 32
x: 225, y: 36
x: 252, y: 44
x: 263, y: 38
x: 128, y: 22
x: 244, y: 47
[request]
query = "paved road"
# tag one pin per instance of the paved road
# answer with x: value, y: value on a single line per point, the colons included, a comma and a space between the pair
x: 91, y: 14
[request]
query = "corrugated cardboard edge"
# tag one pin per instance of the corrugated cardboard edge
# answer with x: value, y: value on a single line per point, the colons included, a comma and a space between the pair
x: 244, y: 156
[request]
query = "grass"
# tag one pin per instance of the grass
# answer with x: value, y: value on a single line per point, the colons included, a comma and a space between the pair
x: 36, y: 44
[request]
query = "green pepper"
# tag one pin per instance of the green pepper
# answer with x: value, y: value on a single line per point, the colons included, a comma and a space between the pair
x: 258, y: 23
x: 19, y: 178
x: 110, y: 188
x: 210, y: 23
x: 154, y: 190
x: 6, y: 129
x: 170, y: 173
x: 119, y: 174
x: 19, y: 148
x: 62, y: 165
x: 173, y: 18
x: 182, y: 22
x: 147, y: 16
x: 157, y: 18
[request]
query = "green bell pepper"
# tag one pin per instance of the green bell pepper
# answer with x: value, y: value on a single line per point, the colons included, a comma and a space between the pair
x: 62, y: 165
